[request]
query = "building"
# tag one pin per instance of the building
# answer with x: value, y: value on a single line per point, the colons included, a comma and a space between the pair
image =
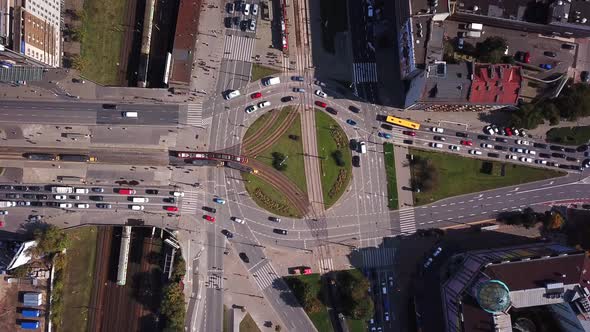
x: 32, y: 28
x: 507, y: 289
x: 32, y: 299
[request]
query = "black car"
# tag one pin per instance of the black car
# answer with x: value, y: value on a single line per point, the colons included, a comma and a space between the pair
x: 209, y: 209
x: 236, y: 20
x: 36, y: 203
x: 229, y: 7
x: 227, y: 233
x: 53, y: 204
x: 570, y: 150
x: 493, y: 155
x: 280, y: 231
x: 227, y: 22
x: 574, y: 159
x: 540, y: 145
x: 297, y: 78
x: 109, y: 106
x: 97, y: 190
x: 501, y: 139
x: 354, y: 144
x: 408, y: 141
x: 274, y: 219
x: 564, y: 166
x: 354, y: 109
x: 41, y: 196
x: 439, y: 138
x: 483, y: 137
x: 577, y: 168
x: 29, y: 196
x: 356, y: 161
x: 20, y: 188
x: 585, y: 76
x: 550, y: 54
x: 171, y: 200
x: 287, y: 99
x: 96, y: 198
x: 331, y: 110
x: 501, y: 148
x: 4, y: 187
x: 558, y: 155
x: 568, y: 46
x: 33, y: 188
x: 244, y: 257
x: 104, y: 206
x: 23, y: 203
x: 582, y: 148
x: 12, y: 195
x: 152, y: 191
x: 460, y: 134
x: 557, y: 148
x: 386, y: 126
x: 586, y: 163
x: 544, y: 155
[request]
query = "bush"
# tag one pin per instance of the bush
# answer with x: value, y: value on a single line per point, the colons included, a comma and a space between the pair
x: 338, y: 158
x: 279, y: 161
x: 173, y: 306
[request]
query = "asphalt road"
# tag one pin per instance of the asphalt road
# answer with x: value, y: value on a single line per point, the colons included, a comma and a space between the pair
x: 70, y: 112
x: 361, y: 30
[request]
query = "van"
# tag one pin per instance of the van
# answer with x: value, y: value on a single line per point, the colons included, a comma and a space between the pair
x: 271, y: 81
x: 384, y: 290
x: 475, y: 26
x: 231, y: 94
x: 81, y: 191
x: 130, y: 114
x: 140, y: 200
x: 370, y: 11
x: 363, y: 147
x: 246, y: 10
x: 82, y: 205
x: 65, y: 205
x: 136, y: 207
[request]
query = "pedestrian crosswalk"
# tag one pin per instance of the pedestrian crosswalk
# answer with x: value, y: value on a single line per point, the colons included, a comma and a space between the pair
x: 377, y: 257
x: 326, y: 265
x: 364, y: 72
x: 407, y: 223
x: 238, y: 48
x: 264, y: 275
x: 189, y: 202
x: 194, y: 115
x: 214, y: 281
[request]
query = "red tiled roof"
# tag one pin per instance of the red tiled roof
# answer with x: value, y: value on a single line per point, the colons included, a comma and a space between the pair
x: 495, y: 84
x: 187, y: 24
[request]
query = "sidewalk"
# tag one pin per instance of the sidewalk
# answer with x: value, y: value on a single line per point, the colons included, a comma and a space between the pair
x: 403, y: 177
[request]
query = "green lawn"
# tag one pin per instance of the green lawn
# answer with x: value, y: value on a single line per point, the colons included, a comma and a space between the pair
x: 252, y: 182
x: 102, y: 39
x: 293, y: 150
x: 459, y: 175
x: 279, y: 120
x: 356, y: 325
x: 320, y: 319
x: 569, y: 135
x: 79, y: 277
x: 326, y: 146
x: 260, y: 71
x: 392, y: 202
x: 248, y: 324
x: 255, y: 127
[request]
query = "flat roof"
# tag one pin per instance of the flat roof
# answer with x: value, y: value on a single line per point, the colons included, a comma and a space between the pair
x: 447, y: 82
x: 187, y: 24
x: 518, y: 10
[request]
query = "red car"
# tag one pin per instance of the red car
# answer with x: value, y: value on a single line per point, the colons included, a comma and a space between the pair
x: 468, y: 143
x: 209, y: 218
x: 171, y: 208
x: 256, y: 95
x: 508, y: 131
x: 320, y: 103
x: 526, y: 57
x: 126, y: 191
x: 410, y: 133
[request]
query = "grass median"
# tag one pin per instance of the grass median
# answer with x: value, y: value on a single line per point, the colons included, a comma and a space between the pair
x: 331, y: 138
x: 260, y: 71
x: 392, y: 199
x: 248, y: 324
x: 569, y: 135
x: 319, y: 318
x: 268, y: 197
x: 79, y: 277
x: 453, y: 175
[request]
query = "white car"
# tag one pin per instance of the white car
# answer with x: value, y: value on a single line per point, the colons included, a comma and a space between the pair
x: 82, y: 206
x: 489, y: 130
x: 3, y: 212
x: 387, y: 316
x: 437, y: 252
x: 487, y: 146
x: 475, y: 152
x: 320, y: 93
x: 254, y: 9
x: 515, y: 132
x: 60, y: 197
x: 519, y: 150
x: 437, y: 130
x: 541, y: 161
x: 178, y: 194
x: 264, y: 104
x: 522, y: 142
x: 238, y: 220
x: 251, y: 109
x: 436, y: 145
x: 526, y: 160
x: 512, y: 157
x: 252, y: 25
x: 428, y: 262
x: 246, y: 9
x: 454, y: 147
x: 183, y: 155
x: 530, y: 152
x: 65, y: 205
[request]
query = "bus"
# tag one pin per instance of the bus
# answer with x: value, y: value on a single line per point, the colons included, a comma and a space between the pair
x: 402, y: 122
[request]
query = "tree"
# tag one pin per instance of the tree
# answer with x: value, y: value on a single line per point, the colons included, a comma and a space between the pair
x: 173, y: 306
x: 278, y: 328
x: 555, y: 221
x: 49, y: 241
x: 278, y: 161
x: 179, y: 268
x: 491, y: 50
x: 338, y: 158
x: 21, y: 271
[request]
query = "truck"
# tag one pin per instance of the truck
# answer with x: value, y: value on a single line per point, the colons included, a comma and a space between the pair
x: 81, y: 190
x: 30, y: 313
x: 62, y: 190
x: 5, y: 204
x: 127, y: 191
x: 475, y: 26
x: 40, y: 156
x: 29, y: 325
x: 271, y: 81
x: 473, y: 34
x: 76, y: 157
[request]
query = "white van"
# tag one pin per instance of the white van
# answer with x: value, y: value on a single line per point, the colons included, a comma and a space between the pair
x: 136, y: 207
x: 65, y: 205
x: 271, y: 81
x: 140, y: 200
x: 130, y: 114
x: 384, y: 290
x: 232, y: 94
x: 81, y: 191
x: 247, y: 9
x: 362, y: 147
x: 82, y: 206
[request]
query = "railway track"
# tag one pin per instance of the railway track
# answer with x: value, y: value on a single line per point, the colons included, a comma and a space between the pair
x: 267, y: 143
x: 274, y: 114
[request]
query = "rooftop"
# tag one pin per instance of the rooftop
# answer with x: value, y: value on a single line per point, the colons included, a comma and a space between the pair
x: 184, y: 41
x: 519, y: 10
x: 447, y: 82
x: 498, y: 84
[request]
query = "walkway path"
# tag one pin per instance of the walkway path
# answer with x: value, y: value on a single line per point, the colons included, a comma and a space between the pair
x: 407, y: 222
x: 312, y: 163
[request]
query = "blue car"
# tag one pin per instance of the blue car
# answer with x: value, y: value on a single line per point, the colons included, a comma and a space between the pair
x: 546, y: 66
x: 219, y: 200
x: 351, y: 122
x: 384, y: 135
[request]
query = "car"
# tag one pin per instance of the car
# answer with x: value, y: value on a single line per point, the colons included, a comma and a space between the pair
x: 585, y: 76
x: 6, y: 187
x: 97, y: 190
x: 533, y: 152
x: 82, y: 205
x: 354, y: 109
x: 252, y: 25
x: 568, y: 46
x: 263, y: 104
x: 300, y: 90
x: 320, y: 93
x: 540, y: 145
x: 96, y: 198
x: 553, y: 164
x: 171, y: 208
x: 544, y: 155
x: 354, y: 145
x: 574, y: 159
x: 486, y: 146
x: 517, y: 150
x: 483, y: 137
x: 557, y: 148
x: 251, y: 109
x: 183, y: 155
x: 546, y: 66
x: 515, y: 131
x: 386, y: 126
x: 386, y: 316
x: 437, y: 252
x: 41, y: 197
x: 287, y: 99
x: 454, y: 147
x: 256, y: 95
x: 244, y: 257
x: 586, y: 163
x: 409, y: 133
x: 460, y: 43
x: 570, y: 150
x: 582, y: 148
x: 227, y: 22
x: 351, y: 122
x: 437, y: 130
x: 541, y: 162
x: 439, y: 138
x: 320, y: 103
x: 525, y: 57
x: 558, y: 155
x: 550, y: 54
x: 384, y: 135
x: 331, y: 110
x: 319, y: 83
x: 75, y: 197
x: 467, y: 143
x: 65, y: 205
x: 356, y: 161
x: 219, y: 200
x: 60, y: 197
x: 227, y: 233
x: 209, y: 218
x: 12, y: 196
x: 460, y: 134
x: 274, y: 219
x: 3, y: 212
x: 522, y: 133
x: 362, y: 147
x: 104, y: 206
x: 209, y: 209
x: 279, y: 231
x: 475, y: 152
x: 152, y: 191
x: 508, y: 131
x: 428, y: 262
x: 297, y: 78
x: 33, y: 188
x: 500, y: 148
x: 238, y: 220
x: 23, y: 203
x: 51, y: 204
x: 255, y: 9
x: 489, y: 130
x: 493, y: 155
x: 176, y: 193
x: 526, y: 160
x: 522, y: 142
x: 436, y: 145
x: 20, y: 188
x: 408, y: 141
x: 512, y: 157
x: 246, y: 9
x: 501, y: 140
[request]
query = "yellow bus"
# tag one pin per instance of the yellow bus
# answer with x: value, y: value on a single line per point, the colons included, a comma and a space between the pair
x: 402, y: 122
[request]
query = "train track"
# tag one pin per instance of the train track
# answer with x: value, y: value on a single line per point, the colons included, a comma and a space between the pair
x: 269, y: 141
x: 101, y: 268
x: 274, y: 114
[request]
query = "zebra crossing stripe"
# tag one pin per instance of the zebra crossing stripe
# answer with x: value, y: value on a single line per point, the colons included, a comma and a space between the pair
x: 377, y: 257
x: 265, y: 275
x: 194, y: 115
x: 238, y: 48
x: 215, y: 281
x: 407, y: 222
x: 364, y: 72
x: 189, y: 202
x: 326, y: 265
